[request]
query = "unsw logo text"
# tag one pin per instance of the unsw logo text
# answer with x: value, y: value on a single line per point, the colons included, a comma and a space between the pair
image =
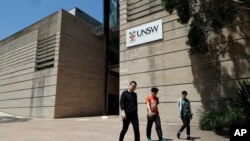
x: 143, y: 32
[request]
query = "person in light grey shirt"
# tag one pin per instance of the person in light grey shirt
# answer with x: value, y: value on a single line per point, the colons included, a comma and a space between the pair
x: 185, y: 113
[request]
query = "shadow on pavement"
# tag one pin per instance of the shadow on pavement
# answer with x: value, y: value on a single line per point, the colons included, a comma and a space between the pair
x: 9, y: 119
x: 195, y: 138
x: 192, y: 138
x: 166, y: 139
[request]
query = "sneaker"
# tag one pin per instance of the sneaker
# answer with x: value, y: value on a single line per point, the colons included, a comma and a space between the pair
x: 150, y: 140
x: 178, y: 134
x: 188, y: 138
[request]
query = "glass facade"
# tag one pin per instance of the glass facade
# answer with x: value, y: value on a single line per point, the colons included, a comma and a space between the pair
x: 114, y: 14
x: 114, y: 33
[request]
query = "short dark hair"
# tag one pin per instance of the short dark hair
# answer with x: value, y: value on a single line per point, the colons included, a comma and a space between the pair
x: 154, y: 89
x: 132, y: 82
x: 184, y: 92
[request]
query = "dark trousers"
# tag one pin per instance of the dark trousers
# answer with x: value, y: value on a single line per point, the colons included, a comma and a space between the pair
x: 133, y: 118
x: 186, y: 124
x: 157, y: 121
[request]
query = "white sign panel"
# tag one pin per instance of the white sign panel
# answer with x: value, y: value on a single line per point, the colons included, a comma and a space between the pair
x: 144, y: 33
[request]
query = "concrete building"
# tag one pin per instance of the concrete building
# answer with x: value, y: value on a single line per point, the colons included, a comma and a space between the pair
x: 53, y: 68
x: 167, y: 64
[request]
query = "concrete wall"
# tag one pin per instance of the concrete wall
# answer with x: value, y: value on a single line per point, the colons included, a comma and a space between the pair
x: 23, y: 90
x: 81, y: 70
x: 167, y: 64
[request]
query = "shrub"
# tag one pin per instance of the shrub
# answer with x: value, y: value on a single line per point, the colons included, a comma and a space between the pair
x: 241, y: 100
x: 219, y: 121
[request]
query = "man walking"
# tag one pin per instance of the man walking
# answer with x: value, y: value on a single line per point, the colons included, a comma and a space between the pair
x: 128, y: 104
x: 185, y: 113
x: 152, y: 102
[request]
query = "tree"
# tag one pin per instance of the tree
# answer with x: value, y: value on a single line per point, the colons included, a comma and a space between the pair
x: 206, y: 17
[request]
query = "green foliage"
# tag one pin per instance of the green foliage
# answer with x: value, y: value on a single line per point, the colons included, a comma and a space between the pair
x: 207, y: 16
x: 245, y: 1
x: 197, y: 42
x: 182, y: 7
x: 219, y: 16
x: 219, y: 121
x: 240, y: 113
x: 183, y: 11
x: 241, y: 100
x: 211, y: 120
x: 169, y: 5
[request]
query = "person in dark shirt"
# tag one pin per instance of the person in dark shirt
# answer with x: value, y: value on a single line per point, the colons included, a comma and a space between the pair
x: 128, y: 104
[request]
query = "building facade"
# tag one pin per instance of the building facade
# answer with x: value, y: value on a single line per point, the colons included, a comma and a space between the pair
x: 52, y: 69
x: 166, y: 63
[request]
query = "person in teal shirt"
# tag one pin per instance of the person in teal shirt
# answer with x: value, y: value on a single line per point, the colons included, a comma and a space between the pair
x: 185, y: 113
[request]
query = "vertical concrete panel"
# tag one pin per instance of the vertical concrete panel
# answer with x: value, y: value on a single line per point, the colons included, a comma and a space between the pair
x: 21, y: 83
x: 80, y: 70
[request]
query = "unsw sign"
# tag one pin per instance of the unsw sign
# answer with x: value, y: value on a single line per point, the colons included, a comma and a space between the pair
x: 144, y: 33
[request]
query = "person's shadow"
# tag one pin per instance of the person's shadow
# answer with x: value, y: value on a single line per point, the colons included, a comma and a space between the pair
x: 166, y: 139
x: 191, y: 138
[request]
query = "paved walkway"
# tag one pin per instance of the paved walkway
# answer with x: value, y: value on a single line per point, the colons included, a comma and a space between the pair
x: 83, y: 129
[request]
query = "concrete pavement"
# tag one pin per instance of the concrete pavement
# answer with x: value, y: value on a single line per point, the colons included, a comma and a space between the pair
x: 84, y: 129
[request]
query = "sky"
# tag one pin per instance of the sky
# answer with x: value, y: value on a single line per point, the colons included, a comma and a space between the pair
x: 18, y: 14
